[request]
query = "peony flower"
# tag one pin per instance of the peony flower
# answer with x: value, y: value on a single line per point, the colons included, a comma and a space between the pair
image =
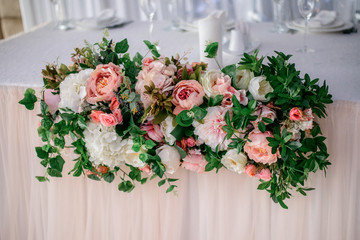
x: 234, y: 161
x: 264, y: 174
x: 146, y: 61
x: 167, y: 126
x: 170, y: 157
x: 263, y: 111
x: 250, y: 170
x: 239, y: 94
x: 118, y: 116
x: 129, y: 155
x: 73, y: 91
x: 114, y: 104
x: 259, y: 87
x: 186, y: 94
x: 258, y: 149
x: 153, y: 132
x: 103, y: 145
x: 95, y: 116
x: 158, y: 73
x: 194, y: 161
x: 295, y: 114
x: 107, y: 120
x: 104, y: 80
x: 52, y: 100
x: 243, y: 78
x: 211, y: 132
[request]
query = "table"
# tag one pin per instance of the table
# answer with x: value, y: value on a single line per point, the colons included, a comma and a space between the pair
x: 207, y: 206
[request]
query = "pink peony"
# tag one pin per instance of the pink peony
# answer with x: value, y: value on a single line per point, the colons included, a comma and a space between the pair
x: 295, y: 114
x: 264, y: 174
x: 258, y: 149
x: 186, y: 94
x: 146, y: 61
x: 239, y: 94
x: 114, y: 104
x: 158, y: 73
x: 95, y: 116
x: 107, y: 120
x: 51, y: 100
x: 153, y: 132
x: 118, y: 116
x: 211, y: 132
x: 194, y: 161
x: 103, y: 81
x: 250, y: 170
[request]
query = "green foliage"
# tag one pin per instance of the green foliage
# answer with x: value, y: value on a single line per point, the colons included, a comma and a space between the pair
x: 29, y: 99
x: 211, y: 50
x: 152, y: 48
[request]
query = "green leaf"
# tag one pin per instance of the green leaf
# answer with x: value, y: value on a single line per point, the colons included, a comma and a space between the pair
x: 29, y: 99
x: 42, y: 179
x: 60, y: 142
x: 161, y: 182
x: 178, y: 132
x: 122, y: 47
x: 44, y: 108
x: 93, y: 177
x: 264, y: 185
x: 267, y: 120
x: 57, y: 163
x: 109, y: 177
x: 199, y: 113
x: 143, y: 181
x: 161, y: 116
x: 126, y: 186
x: 181, y: 151
x: 53, y: 172
x: 152, y: 48
x: 138, y: 58
x: 135, y: 174
x: 262, y: 127
x: 41, y: 153
x: 184, y: 118
x: 211, y: 49
x: 149, y: 144
x: 216, y: 101
x: 231, y: 71
x: 282, y: 204
x: 294, y: 145
x: 170, y: 188
x: 172, y: 179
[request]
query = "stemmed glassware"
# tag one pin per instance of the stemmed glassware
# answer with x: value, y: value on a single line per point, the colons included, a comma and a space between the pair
x: 149, y: 8
x: 306, y: 8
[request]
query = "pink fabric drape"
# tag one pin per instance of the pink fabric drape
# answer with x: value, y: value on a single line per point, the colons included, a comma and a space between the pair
x: 207, y: 206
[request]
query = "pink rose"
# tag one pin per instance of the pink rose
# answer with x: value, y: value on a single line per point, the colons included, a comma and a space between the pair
x: 250, y: 170
x: 114, y: 104
x: 118, y: 116
x: 295, y: 114
x: 186, y: 94
x: 194, y: 161
x: 107, y: 120
x: 264, y: 174
x: 153, y: 132
x: 147, y: 61
x: 146, y: 169
x: 190, y: 142
x: 51, y: 100
x: 258, y: 149
x: 95, y: 116
x: 263, y: 111
x: 103, y: 81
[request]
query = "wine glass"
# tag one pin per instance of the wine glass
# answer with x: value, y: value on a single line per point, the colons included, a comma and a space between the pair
x: 149, y: 8
x: 173, y: 6
x: 306, y: 8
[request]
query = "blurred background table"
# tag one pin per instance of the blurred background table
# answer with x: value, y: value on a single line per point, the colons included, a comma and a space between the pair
x: 207, y: 206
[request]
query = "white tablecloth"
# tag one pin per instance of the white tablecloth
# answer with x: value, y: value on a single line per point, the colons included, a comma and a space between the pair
x: 207, y: 206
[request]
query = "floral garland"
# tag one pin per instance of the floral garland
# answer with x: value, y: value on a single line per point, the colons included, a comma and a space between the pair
x: 144, y: 117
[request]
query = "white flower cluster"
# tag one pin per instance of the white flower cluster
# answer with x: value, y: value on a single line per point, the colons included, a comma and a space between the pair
x: 106, y: 147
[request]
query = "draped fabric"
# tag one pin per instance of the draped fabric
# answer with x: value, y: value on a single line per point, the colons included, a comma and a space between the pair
x: 206, y: 206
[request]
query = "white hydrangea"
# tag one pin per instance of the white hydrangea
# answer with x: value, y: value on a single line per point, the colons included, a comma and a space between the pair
x: 73, y: 90
x: 103, y: 144
x: 167, y: 127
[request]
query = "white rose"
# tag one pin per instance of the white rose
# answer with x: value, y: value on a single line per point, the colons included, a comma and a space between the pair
x: 73, y: 91
x: 234, y: 161
x: 167, y: 127
x: 243, y: 78
x: 259, y: 87
x: 170, y: 157
x: 214, y: 78
x: 129, y: 155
